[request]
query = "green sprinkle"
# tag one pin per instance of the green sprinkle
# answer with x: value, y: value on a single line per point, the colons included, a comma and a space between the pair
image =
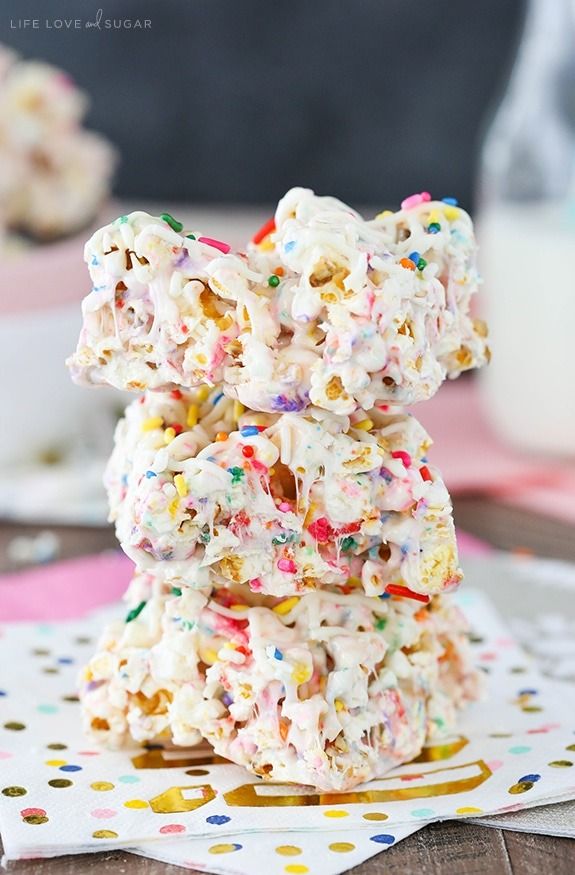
x: 176, y: 590
x: 237, y: 474
x: 273, y: 281
x: 188, y: 624
x: 380, y: 624
x: 173, y: 223
x: 135, y: 612
x: 205, y: 537
x: 122, y: 220
x: 434, y: 227
x: 348, y: 543
x: 191, y: 236
x: 421, y: 264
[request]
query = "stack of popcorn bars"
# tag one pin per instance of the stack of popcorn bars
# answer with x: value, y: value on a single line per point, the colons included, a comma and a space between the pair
x: 292, y: 542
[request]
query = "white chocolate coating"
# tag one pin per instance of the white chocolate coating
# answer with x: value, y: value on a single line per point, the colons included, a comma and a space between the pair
x: 326, y: 311
x: 331, y: 691
x: 295, y: 503
x: 54, y: 175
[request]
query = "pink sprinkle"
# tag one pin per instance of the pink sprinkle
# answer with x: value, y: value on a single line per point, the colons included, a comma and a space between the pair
x: 287, y: 565
x: 405, y: 457
x: 284, y: 506
x: 172, y: 827
x: 255, y: 584
x: 217, y: 244
x: 30, y: 812
x: 103, y: 813
x: 415, y: 199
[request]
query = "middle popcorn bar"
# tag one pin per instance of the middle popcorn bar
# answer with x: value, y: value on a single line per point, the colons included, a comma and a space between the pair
x: 201, y: 489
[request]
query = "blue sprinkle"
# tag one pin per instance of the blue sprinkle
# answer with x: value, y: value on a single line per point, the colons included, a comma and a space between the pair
x: 384, y: 595
x: 278, y: 654
x: 383, y: 838
x: 218, y: 819
x: 249, y: 430
x: 289, y: 246
x: 414, y: 256
x: 124, y: 479
x: 433, y: 229
x: 452, y: 201
x: 532, y: 778
x: 66, y: 660
x: 217, y: 398
x: 150, y: 474
x: 227, y: 699
x: 94, y: 261
x: 404, y: 549
x: 3, y: 693
x: 70, y: 768
x: 527, y: 692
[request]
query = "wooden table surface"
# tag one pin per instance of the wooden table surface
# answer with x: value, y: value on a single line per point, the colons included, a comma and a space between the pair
x: 450, y: 848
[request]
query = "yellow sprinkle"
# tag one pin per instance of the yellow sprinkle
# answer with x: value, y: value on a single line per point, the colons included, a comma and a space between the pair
x: 354, y: 581
x: 181, y: 485
x: 201, y: 358
x: 56, y: 763
x: 451, y: 213
x: 192, y: 417
x: 339, y: 705
x: 208, y: 656
x: 384, y: 214
x: 202, y: 393
x: 173, y: 506
x: 169, y: 435
x: 286, y: 606
x: 301, y: 673
x: 434, y: 216
x: 296, y: 869
x: 266, y: 245
x: 102, y: 786
x: 222, y: 436
x: 336, y: 812
x: 152, y: 423
x: 229, y: 645
x: 239, y: 608
x: 238, y: 409
x: 364, y: 425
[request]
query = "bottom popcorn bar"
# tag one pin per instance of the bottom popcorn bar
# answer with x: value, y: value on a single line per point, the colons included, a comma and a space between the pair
x: 329, y: 689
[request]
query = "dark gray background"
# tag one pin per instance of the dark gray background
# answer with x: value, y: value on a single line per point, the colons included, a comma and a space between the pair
x: 236, y: 100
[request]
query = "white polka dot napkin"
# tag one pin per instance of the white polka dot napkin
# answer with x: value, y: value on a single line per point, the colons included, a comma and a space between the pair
x: 61, y: 795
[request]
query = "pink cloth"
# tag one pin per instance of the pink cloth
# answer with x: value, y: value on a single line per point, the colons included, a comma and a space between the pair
x: 64, y: 589
x: 472, y: 458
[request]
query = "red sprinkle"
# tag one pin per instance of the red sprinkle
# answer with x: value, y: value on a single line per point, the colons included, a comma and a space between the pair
x: 184, y: 329
x: 175, y: 393
x: 425, y: 473
x: 405, y: 592
x: 405, y: 457
x: 215, y: 244
x: 248, y: 451
x: 266, y: 229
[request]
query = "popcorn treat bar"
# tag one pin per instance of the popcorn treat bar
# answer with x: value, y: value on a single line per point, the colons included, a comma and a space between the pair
x: 166, y: 308
x: 326, y: 310
x: 377, y: 311
x: 329, y: 690
x: 53, y: 174
x: 283, y: 503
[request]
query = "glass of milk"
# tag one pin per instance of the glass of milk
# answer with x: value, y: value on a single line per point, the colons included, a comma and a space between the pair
x: 526, y: 232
